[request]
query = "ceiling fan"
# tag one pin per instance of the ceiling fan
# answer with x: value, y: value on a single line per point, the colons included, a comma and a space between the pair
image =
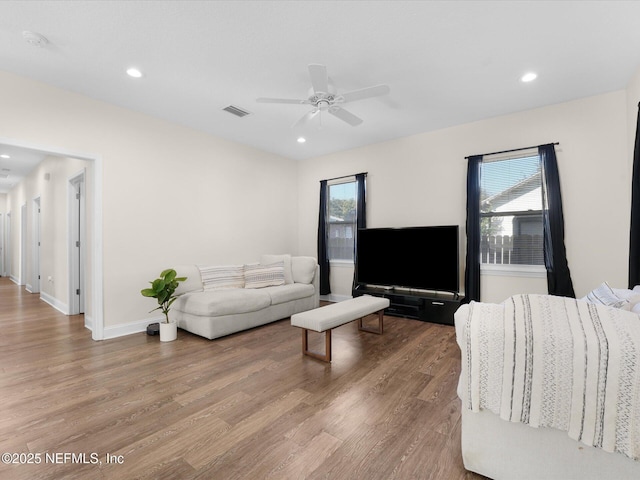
x: 324, y: 98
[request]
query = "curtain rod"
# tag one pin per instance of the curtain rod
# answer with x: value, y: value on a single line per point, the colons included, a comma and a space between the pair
x: 344, y: 176
x: 512, y: 150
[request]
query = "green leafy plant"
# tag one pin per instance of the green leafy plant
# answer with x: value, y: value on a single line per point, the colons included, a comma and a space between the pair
x: 163, y: 289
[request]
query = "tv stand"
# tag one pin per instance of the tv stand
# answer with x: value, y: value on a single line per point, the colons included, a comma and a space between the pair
x: 427, y: 306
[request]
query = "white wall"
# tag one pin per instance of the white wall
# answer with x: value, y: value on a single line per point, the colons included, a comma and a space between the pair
x: 633, y: 100
x: 421, y: 180
x: 171, y: 195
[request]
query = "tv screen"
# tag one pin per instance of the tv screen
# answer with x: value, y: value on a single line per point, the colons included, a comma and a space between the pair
x: 423, y: 258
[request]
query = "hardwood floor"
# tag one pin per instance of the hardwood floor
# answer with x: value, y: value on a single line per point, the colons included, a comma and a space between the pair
x: 247, y: 406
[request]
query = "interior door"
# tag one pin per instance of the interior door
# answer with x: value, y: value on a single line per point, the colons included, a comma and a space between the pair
x: 35, y: 280
x: 77, y: 244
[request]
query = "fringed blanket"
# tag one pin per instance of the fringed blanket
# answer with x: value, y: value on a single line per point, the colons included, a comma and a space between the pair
x: 555, y: 362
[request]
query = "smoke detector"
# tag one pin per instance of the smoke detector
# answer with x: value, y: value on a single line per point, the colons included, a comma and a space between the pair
x: 35, y: 39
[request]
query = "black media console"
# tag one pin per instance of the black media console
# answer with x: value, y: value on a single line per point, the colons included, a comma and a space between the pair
x: 435, y: 307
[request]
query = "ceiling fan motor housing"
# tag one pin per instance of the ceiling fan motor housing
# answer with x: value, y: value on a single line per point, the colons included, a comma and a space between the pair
x: 323, y: 100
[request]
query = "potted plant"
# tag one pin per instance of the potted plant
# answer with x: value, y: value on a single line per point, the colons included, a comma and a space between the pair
x: 163, y: 289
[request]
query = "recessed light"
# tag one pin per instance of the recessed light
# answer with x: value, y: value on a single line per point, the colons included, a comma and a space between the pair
x: 529, y: 77
x: 134, y: 72
x: 301, y: 139
x: 4, y: 155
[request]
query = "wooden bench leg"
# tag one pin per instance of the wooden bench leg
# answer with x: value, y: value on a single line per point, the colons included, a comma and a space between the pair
x: 327, y: 346
x: 377, y: 330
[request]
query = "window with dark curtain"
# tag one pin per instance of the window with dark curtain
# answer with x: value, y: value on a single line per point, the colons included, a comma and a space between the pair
x: 553, y: 247
x: 342, y: 213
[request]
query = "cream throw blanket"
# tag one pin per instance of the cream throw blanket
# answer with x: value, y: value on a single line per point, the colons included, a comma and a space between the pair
x: 555, y: 362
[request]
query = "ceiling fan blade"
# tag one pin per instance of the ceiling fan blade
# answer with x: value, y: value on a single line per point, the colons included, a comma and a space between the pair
x: 308, y: 118
x: 345, y: 116
x: 281, y: 100
x: 319, y: 78
x: 363, y: 93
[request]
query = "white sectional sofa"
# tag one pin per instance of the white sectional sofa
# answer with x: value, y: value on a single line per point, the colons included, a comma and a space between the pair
x: 219, y: 300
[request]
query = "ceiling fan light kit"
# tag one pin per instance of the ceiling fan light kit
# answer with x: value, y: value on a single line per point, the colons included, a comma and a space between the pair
x: 323, y: 97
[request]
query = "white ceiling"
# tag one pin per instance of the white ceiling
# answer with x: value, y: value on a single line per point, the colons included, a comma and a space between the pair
x: 447, y: 63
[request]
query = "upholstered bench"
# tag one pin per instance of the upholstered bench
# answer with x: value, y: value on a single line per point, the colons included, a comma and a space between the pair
x: 325, y: 318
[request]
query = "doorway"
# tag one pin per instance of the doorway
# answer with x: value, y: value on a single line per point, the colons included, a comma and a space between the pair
x: 94, y: 305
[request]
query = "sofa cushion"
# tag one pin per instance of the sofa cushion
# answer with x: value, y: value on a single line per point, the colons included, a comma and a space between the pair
x: 260, y: 276
x: 303, y: 269
x: 222, y: 276
x: 269, y: 259
x: 212, y: 303
x: 287, y: 293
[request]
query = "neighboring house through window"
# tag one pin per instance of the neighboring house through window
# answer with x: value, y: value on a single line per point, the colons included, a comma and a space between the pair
x: 511, y: 212
x: 342, y: 219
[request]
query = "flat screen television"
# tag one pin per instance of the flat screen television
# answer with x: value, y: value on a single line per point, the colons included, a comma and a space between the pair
x: 424, y: 258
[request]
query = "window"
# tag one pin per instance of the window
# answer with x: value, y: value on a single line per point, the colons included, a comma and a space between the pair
x: 342, y: 220
x: 511, y: 210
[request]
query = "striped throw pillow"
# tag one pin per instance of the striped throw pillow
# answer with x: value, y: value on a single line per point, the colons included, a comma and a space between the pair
x: 259, y: 276
x: 226, y: 276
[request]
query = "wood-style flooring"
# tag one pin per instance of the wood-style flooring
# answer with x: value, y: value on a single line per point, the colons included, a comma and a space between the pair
x: 247, y: 406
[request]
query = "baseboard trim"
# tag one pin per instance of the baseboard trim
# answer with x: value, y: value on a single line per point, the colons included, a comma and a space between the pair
x: 28, y: 288
x: 14, y: 279
x: 129, y: 328
x: 55, y: 303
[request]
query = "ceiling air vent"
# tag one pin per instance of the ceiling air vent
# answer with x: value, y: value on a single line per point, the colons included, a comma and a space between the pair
x: 238, y: 112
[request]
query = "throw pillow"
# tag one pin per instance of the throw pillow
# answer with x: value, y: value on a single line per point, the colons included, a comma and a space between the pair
x: 270, y: 259
x: 604, y: 295
x: 260, y: 276
x: 225, y: 276
x: 303, y: 269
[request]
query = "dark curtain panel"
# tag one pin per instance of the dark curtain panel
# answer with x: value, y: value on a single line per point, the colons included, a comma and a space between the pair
x: 472, y: 268
x: 361, y: 217
x: 323, y: 240
x: 634, y: 238
x: 555, y: 255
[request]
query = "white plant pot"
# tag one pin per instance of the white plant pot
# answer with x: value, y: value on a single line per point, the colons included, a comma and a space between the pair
x: 168, y: 331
